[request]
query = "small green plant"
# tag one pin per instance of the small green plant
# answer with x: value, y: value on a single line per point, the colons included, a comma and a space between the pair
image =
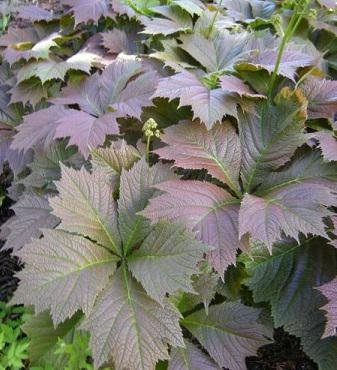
x: 13, y: 342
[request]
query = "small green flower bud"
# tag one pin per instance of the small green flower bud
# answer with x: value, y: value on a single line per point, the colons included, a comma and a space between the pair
x: 312, y: 13
x: 157, y: 133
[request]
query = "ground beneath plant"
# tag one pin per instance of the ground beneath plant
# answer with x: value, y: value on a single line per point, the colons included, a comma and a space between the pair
x: 284, y: 354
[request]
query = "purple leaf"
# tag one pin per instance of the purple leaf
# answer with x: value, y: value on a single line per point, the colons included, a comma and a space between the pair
x: 206, y: 209
x: 328, y: 145
x: 35, y: 13
x: 118, y: 41
x: 176, y: 20
x: 38, y: 127
x: 291, y: 209
x: 290, y: 62
x: 208, y: 105
x: 85, y: 130
x: 218, y: 150
x: 32, y: 214
x: 322, y: 97
x: 88, y: 10
x: 235, y: 85
x: 330, y: 292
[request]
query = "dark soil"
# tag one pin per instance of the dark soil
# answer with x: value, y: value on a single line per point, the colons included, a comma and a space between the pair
x: 284, y: 354
x: 8, y: 265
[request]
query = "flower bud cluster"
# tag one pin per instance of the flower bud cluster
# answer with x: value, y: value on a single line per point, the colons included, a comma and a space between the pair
x: 150, y: 128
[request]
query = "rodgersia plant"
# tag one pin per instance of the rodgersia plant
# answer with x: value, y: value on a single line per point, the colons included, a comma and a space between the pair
x: 174, y: 172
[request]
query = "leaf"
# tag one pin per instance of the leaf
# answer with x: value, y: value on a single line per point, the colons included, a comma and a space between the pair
x: 230, y: 332
x: 208, y: 105
x: 328, y: 145
x: 137, y: 187
x: 44, y: 336
x: 32, y: 214
x: 190, y: 6
x: 85, y: 205
x: 118, y: 41
x: 235, y: 85
x: 38, y: 127
x: 176, y: 20
x: 308, y: 168
x: 206, y: 209
x: 286, y: 280
x: 192, y: 146
x: 35, y: 13
x: 121, y: 90
x: 113, y: 159
x: 88, y: 10
x: 45, y: 168
x: 244, y: 10
x: 41, y: 50
x: 220, y: 52
x: 290, y: 62
x: 86, y: 131
x: 19, y: 35
x: 190, y: 358
x: 292, y: 209
x: 47, y: 70
x: 166, y: 260
x: 270, y: 137
x: 30, y: 91
x: 130, y: 327
x: 322, y: 97
x: 330, y: 292
x: 64, y: 273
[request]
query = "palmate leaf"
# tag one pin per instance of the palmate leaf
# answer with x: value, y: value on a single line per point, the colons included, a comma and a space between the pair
x: 114, y: 158
x: 218, y: 151
x: 291, y: 209
x: 65, y: 273
x: 290, y: 201
x: 327, y: 143
x: 38, y: 128
x: 176, y: 20
x: 35, y: 13
x: 94, y: 213
x: 208, y: 105
x: 330, y: 292
x: 86, y: 131
x: 190, y: 358
x: 32, y: 214
x: 245, y: 10
x: 220, y: 52
x: 88, y: 10
x: 40, y: 44
x: 191, y: 6
x: 118, y: 41
x: 270, y: 137
x: 45, y: 167
x: 96, y: 96
x: 211, y: 212
x: 292, y: 59
x: 166, y: 260
x: 31, y: 91
x: 229, y: 333
x: 132, y: 328
x: 287, y: 280
x: 137, y: 187
x: 322, y: 97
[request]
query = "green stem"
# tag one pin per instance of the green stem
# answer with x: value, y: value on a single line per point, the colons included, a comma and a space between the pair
x: 147, y: 153
x: 213, y: 21
x: 290, y: 30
